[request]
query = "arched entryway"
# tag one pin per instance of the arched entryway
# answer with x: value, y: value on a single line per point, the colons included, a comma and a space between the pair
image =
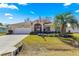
x: 37, y: 27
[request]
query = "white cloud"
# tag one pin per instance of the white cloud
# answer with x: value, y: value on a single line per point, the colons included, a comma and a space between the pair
x: 67, y: 4
x: 77, y: 11
x: 12, y: 7
x: 10, y: 17
x: 8, y: 14
x: 2, y: 5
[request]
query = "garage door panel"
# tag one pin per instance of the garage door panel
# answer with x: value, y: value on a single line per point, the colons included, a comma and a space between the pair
x: 22, y: 30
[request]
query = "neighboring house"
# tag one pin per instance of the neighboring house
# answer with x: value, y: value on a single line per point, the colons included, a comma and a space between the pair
x: 75, y: 30
x: 39, y: 25
x: 3, y: 29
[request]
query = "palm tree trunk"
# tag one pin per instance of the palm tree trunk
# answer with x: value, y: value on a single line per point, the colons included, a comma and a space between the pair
x: 63, y: 29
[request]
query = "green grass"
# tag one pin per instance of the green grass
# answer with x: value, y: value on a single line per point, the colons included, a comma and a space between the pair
x: 2, y: 33
x: 36, y: 45
x: 76, y: 36
x: 51, y: 42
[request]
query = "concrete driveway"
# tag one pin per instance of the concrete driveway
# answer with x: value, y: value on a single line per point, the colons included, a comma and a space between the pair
x: 8, y: 41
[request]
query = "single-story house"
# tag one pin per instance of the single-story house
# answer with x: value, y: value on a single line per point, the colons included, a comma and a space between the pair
x: 34, y: 26
x: 38, y: 25
x: 75, y: 30
x: 3, y: 29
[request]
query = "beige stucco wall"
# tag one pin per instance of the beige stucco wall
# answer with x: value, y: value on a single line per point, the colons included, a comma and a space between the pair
x: 19, y: 25
x: 30, y: 25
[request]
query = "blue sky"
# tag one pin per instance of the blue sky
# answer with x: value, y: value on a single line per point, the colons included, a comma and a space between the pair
x: 15, y: 12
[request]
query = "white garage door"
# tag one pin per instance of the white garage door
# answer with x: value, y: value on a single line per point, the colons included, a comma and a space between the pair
x: 22, y: 30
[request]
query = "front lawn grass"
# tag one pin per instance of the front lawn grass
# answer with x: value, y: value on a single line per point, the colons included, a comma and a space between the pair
x: 76, y: 36
x: 51, y: 42
x: 2, y: 33
x: 36, y: 45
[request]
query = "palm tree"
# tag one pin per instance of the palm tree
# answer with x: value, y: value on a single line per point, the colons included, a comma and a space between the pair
x: 61, y: 22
